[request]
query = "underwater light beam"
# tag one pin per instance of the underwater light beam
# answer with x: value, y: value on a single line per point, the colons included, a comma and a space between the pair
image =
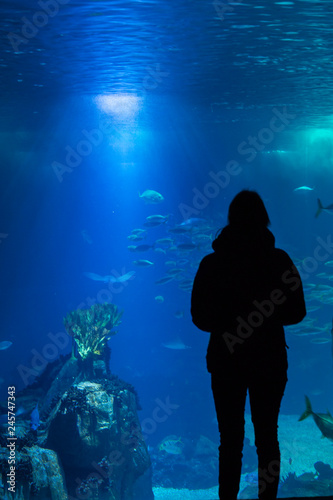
x: 123, y: 107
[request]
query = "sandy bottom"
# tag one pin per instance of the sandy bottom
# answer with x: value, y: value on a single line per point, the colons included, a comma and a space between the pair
x: 301, y: 446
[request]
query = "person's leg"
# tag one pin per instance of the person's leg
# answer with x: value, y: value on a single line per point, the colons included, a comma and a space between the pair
x: 266, y: 393
x: 229, y: 397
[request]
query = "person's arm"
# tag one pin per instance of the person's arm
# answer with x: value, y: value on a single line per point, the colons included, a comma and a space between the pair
x: 293, y: 309
x: 203, y: 298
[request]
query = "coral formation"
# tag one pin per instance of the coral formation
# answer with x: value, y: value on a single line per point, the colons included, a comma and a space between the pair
x: 91, y: 328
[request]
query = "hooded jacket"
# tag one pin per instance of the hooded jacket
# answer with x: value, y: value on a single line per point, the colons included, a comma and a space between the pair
x: 243, y: 294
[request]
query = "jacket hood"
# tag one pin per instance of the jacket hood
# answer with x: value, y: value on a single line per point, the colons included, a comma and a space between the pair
x: 252, y: 239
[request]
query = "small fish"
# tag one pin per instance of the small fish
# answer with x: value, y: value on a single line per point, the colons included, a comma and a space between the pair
x: 171, y: 445
x: 139, y: 248
x: 320, y: 340
x: 5, y: 344
x: 110, y: 278
x: 303, y: 188
x: 186, y: 283
x: 329, y: 263
x: 35, y: 422
x: 157, y: 218
x: 138, y: 231
x: 179, y: 229
x: 151, y: 196
x: 143, y: 263
x: 177, y: 345
x: 163, y: 280
x: 165, y: 241
x: 159, y: 299
x: 170, y: 263
x: 193, y: 221
x: 186, y: 246
x: 321, y: 208
x: 136, y: 237
x: 179, y: 314
x: 324, y: 421
x: 175, y: 271
x: 160, y: 250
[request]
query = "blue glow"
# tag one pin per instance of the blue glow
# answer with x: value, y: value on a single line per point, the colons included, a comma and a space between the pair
x: 122, y: 107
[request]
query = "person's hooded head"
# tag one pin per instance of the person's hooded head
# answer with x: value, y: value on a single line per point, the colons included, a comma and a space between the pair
x: 247, y: 210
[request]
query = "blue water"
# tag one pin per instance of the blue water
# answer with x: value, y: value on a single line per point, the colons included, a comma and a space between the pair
x: 241, y: 91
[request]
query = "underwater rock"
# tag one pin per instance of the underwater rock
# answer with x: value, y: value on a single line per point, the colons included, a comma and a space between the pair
x: 194, y: 466
x: 38, y: 475
x: 94, y: 429
x: 205, y: 446
x: 305, y: 485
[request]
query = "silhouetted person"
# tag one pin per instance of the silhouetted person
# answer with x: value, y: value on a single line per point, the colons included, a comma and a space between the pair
x: 243, y: 294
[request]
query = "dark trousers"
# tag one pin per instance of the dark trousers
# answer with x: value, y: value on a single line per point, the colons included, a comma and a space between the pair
x: 266, y: 388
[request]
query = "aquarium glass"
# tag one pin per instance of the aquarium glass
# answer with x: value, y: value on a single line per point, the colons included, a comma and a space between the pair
x: 126, y: 129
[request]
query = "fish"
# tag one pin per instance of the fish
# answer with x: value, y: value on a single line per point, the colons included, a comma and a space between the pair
x: 324, y: 421
x: 175, y: 271
x: 160, y: 250
x: 303, y: 188
x: 179, y: 314
x: 136, y: 237
x: 35, y: 422
x: 186, y: 246
x: 329, y: 263
x: 157, y: 218
x: 163, y: 280
x: 151, y: 196
x: 179, y: 229
x: 159, y: 299
x: 193, y: 221
x: 5, y: 344
x: 143, y: 263
x: 110, y: 278
x: 176, y: 344
x: 172, y: 445
x: 165, y: 241
x: 321, y: 208
x: 320, y: 340
x: 138, y: 231
x: 139, y: 248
